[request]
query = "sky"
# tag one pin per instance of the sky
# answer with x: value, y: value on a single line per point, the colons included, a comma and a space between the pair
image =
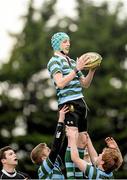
x: 12, y: 10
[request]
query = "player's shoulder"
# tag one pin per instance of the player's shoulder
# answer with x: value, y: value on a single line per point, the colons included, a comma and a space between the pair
x: 53, y: 59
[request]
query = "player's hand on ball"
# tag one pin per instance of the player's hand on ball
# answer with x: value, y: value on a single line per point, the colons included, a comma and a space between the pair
x: 82, y: 62
x: 94, y: 60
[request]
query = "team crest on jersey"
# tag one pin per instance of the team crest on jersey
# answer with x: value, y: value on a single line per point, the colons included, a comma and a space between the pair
x: 58, y: 134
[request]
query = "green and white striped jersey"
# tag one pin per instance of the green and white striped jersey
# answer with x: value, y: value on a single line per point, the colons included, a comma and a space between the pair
x: 73, y: 172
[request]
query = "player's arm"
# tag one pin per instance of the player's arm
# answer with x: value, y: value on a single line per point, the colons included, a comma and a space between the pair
x: 72, y: 134
x: 61, y: 81
x: 58, y: 134
x: 80, y: 163
x: 86, y: 80
x: 91, y: 150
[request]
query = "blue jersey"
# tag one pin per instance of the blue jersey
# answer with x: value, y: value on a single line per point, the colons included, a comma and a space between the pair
x: 96, y: 173
x: 73, y: 89
x: 48, y: 170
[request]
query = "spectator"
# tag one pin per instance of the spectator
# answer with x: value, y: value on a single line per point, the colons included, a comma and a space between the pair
x: 9, y: 161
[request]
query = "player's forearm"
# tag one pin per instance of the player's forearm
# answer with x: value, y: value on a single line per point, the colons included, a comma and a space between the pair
x: 92, y: 152
x: 62, y: 81
x: 58, y: 135
x: 57, y: 142
x: 81, y: 164
x: 120, y: 157
x: 74, y: 150
x: 86, y: 81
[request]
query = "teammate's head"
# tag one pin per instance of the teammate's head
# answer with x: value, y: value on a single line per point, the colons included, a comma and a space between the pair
x: 110, y: 159
x: 57, y: 39
x: 8, y: 156
x: 39, y: 153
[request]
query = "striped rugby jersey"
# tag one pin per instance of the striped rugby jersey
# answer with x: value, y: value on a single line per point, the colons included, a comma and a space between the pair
x: 73, y: 172
x: 48, y: 170
x: 73, y: 89
x: 95, y: 173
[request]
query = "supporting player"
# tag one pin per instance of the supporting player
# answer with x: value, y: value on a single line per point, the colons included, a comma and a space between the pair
x: 103, y: 164
x: 49, y: 161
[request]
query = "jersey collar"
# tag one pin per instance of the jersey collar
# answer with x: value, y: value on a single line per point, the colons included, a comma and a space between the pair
x: 56, y: 54
x: 8, y: 174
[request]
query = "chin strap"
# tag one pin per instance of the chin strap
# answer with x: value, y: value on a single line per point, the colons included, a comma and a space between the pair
x: 8, y: 174
x: 63, y: 53
x: 68, y: 60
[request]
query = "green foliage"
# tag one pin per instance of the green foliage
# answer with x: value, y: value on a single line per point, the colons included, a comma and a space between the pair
x: 95, y: 29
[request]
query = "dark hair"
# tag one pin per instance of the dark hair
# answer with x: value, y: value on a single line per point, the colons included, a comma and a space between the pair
x: 2, y: 152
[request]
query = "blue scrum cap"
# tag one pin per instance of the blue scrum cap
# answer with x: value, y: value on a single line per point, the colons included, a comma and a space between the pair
x: 56, y: 40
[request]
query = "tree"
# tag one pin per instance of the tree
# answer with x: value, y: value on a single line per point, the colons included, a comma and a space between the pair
x: 25, y: 119
x: 103, y: 32
x: 30, y: 117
